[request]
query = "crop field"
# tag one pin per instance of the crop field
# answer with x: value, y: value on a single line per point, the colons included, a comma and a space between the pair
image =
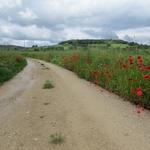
x: 126, y: 73
x: 10, y: 64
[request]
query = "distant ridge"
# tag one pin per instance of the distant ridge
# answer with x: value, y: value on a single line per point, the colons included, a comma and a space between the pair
x: 11, y: 47
x: 94, y: 41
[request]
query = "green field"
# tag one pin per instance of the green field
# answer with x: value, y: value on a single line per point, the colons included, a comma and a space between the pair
x: 10, y: 64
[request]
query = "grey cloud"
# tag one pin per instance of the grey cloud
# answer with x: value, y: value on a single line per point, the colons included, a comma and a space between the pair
x: 58, y: 20
x: 102, y: 33
x: 128, y: 38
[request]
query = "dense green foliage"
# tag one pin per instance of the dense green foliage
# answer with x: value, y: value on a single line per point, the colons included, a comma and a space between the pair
x: 10, y: 65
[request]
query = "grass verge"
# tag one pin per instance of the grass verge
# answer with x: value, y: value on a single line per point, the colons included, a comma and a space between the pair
x: 10, y: 65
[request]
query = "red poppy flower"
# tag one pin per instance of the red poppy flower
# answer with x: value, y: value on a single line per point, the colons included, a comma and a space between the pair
x: 131, y: 62
x: 138, y: 89
x: 146, y: 67
x: 130, y: 78
x: 133, y: 90
x: 125, y: 66
x: 139, y: 93
x: 140, y: 65
x: 129, y: 58
x: 139, y: 57
x: 95, y: 73
x: 146, y: 76
x: 96, y: 82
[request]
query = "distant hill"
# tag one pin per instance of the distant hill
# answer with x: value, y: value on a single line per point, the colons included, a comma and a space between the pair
x: 11, y: 47
x: 104, y: 43
x: 94, y: 41
x: 82, y: 44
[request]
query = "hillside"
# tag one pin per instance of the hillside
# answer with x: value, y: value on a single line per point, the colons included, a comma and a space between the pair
x: 94, y: 44
x: 11, y: 47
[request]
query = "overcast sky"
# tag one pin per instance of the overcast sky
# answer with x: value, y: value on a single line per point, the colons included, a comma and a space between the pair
x: 46, y: 22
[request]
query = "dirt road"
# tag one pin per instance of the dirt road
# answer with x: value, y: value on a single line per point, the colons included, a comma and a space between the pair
x: 89, y: 117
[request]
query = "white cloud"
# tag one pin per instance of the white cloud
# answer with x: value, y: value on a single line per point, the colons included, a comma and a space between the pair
x: 15, y: 31
x: 28, y: 14
x: 137, y: 34
x: 144, y: 31
x: 142, y: 8
x: 10, y: 3
x: 73, y: 33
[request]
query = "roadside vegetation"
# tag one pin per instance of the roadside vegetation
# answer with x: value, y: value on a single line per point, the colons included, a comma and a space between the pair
x: 48, y: 84
x: 56, y: 138
x: 10, y: 64
x: 119, y: 67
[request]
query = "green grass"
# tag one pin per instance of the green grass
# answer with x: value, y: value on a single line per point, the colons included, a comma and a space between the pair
x: 10, y: 64
x: 48, y: 84
x: 119, y: 45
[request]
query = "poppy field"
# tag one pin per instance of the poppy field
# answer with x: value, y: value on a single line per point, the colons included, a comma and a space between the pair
x: 127, y: 77
x: 126, y: 74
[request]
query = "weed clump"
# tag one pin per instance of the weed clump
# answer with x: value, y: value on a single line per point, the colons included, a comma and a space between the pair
x: 56, y: 138
x: 48, y: 84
